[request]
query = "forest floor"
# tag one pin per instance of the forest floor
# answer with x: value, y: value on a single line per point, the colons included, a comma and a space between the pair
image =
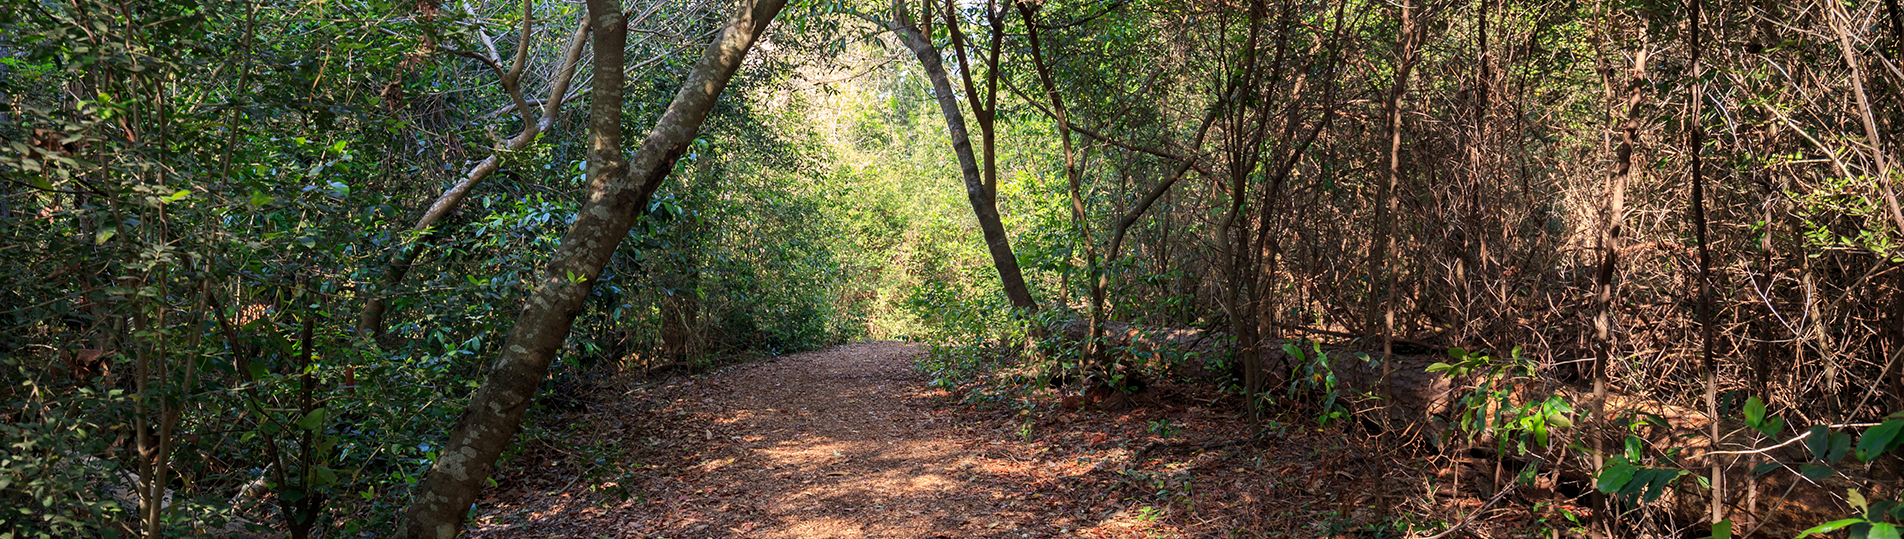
x: 851, y: 442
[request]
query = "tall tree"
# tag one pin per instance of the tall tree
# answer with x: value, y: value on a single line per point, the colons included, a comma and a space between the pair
x: 1613, y: 215
x: 619, y: 188
x: 1245, y: 128
x: 1381, y: 309
x: 1099, y: 276
x: 1709, y: 366
x: 1074, y: 179
x: 981, y: 183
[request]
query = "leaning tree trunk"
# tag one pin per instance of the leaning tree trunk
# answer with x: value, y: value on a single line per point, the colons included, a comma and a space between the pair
x: 984, y: 200
x: 1100, y: 279
x: 618, y: 190
x: 1381, y: 310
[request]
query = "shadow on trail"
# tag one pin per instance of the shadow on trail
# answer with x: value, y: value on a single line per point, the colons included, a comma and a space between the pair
x: 843, y: 442
x: 848, y: 443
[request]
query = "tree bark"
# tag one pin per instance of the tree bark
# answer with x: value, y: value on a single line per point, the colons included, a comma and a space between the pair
x: 1695, y: 142
x: 979, y: 185
x: 619, y: 188
x: 1074, y: 178
x: 1380, y: 317
x: 1381, y: 266
x: 1604, y: 288
x: 1246, y: 125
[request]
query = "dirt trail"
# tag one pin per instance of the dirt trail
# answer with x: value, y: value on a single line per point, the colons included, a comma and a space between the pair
x: 841, y: 442
x: 849, y: 442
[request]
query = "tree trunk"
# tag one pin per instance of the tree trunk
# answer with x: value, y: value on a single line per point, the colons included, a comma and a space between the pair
x: 1119, y: 230
x: 1381, y: 317
x: 1074, y: 178
x: 1241, y: 145
x: 681, y: 310
x: 977, y: 189
x: 618, y: 191
x: 1382, y: 269
x: 1708, y: 365
x: 1604, y: 288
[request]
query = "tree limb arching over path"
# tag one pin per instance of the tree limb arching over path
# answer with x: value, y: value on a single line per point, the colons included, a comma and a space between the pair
x: 618, y: 190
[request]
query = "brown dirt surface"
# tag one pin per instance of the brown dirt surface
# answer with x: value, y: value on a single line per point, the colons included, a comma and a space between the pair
x: 850, y: 442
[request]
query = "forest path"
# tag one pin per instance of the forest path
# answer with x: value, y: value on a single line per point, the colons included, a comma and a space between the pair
x: 843, y: 442
x: 852, y: 442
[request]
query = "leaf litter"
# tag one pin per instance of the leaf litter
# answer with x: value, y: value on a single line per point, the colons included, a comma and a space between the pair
x: 850, y: 442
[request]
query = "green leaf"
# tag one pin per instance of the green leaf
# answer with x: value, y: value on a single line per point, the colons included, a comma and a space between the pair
x: 1773, y: 427
x: 1721, y: 530
x: 1815, y: 472
x: 1881, y: 530
x: 1439, y: 367
x: 1819, y: 441
x: 1559, y: 420
x: 1529, y: 473
x: 321, y: 476
x: 1879, y: 439
x: 1840, y: 444
x: 1458, y: 353
x: 1765, y: 467
x: 1754, y: 411
x: 1656, y: 480
x: 1857, y: 500
x: 105, y: 233
x: 1656, y: 420
x: 1829, y: 527
x: 1616, y: 476
x: 314, y: 419
x: 176, y: 196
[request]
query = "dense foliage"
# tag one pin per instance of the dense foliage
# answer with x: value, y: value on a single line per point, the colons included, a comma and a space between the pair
x: 199, y: 201
x: 1622, y: 210
x: 1690, y: 205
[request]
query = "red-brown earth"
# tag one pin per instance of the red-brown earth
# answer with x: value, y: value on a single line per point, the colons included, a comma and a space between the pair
x: 851, y: 442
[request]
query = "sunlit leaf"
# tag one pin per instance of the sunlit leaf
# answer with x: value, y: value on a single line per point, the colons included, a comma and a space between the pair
x: 1829, y: 527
